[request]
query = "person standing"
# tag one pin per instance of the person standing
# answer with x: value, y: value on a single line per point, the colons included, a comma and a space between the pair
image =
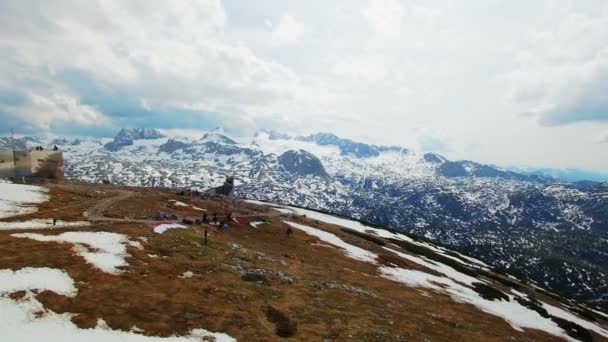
x: 206, y: 233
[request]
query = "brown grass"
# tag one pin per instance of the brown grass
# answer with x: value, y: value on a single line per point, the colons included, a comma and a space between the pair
x: 151, y: 295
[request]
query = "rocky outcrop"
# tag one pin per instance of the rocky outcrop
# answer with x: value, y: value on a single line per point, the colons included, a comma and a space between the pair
x: 302, y: 163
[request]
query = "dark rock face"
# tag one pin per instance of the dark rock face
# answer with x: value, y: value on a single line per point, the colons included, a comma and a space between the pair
x: 173, y: 145
x: 302, y: 163
x: 433, y: 158
x: 217, y: 138
x: 126, y: 136
x: 227, y: 150
x: 451, y: 169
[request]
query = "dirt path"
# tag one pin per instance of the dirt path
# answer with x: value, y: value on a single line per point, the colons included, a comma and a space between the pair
x: 95, y: 213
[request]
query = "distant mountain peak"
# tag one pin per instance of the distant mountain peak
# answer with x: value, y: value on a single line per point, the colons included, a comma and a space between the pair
x: 220, y: 130
x: 350, y: 147
x: 216, y: 137
x: 302, y: 163
x: 126, y: 136
x: 139, y: 133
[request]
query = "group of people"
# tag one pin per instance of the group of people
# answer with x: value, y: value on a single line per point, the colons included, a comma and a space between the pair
x: 214, y: 221
x: 40, y: 148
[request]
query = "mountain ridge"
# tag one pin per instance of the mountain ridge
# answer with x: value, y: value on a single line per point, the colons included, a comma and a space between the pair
x: 534, y: 227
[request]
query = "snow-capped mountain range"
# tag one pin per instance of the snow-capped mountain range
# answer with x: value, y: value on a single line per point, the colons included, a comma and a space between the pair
x: 551, y: 232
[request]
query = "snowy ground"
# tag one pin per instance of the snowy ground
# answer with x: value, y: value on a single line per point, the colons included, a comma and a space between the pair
x: 104, y: 250
x: 454, y: 283
x: 351, y: 251
x: 357, y: 226
x: 20, y: 319
x: 14, y: 196
x: 161, y: 228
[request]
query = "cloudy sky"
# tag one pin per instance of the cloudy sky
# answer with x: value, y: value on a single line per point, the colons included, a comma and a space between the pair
x: 509, y: 82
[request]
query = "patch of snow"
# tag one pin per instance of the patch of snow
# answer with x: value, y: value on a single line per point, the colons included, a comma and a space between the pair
x: 14, y: 196
x: 31, y: 278
x: 360, y: 227
x: 599, y: 312
x: 557, y: 312
x: 161, y: 228
x: 197, y: 208
x: 136, y: 244
x: 516, y: 315
x: 255, y: 224
x: 108, y: 249
x: 439, y: 267
x: 351, y: 251
x: 519, y: 294
x: 180, y: 204
x: 187, y: 274
x: 41, y: 224
x: 19, y: 322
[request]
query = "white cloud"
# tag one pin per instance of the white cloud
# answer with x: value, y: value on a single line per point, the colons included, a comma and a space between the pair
x: 287, y: 31
x: 562, y: 74
x: 43, y: 111
x: 174, y: 52
x: 384, y: 17
x: 367, y: 70
x: 183, y: 133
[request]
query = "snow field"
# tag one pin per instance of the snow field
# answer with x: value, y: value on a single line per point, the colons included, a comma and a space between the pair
x: 350, y: 250
x: 20, y: 319
x: 109, y: 249
x: 13, y: 196
x: 455, y: 284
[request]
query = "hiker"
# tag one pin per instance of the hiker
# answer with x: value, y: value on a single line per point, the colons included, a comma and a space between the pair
x: 55, y: 148
x: 54, y: 221
x: 206, y: 232
x: 228, y: 216
x: 205, y: 220
x: 214, y: 218
x: 288, y: 232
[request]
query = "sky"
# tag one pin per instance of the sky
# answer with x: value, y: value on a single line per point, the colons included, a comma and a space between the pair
x: 505, y: 82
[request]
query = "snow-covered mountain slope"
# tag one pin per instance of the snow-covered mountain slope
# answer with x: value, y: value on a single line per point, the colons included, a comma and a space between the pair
x: 550, y: 232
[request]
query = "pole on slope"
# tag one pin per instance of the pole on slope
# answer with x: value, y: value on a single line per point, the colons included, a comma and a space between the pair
x: 13, y: 153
